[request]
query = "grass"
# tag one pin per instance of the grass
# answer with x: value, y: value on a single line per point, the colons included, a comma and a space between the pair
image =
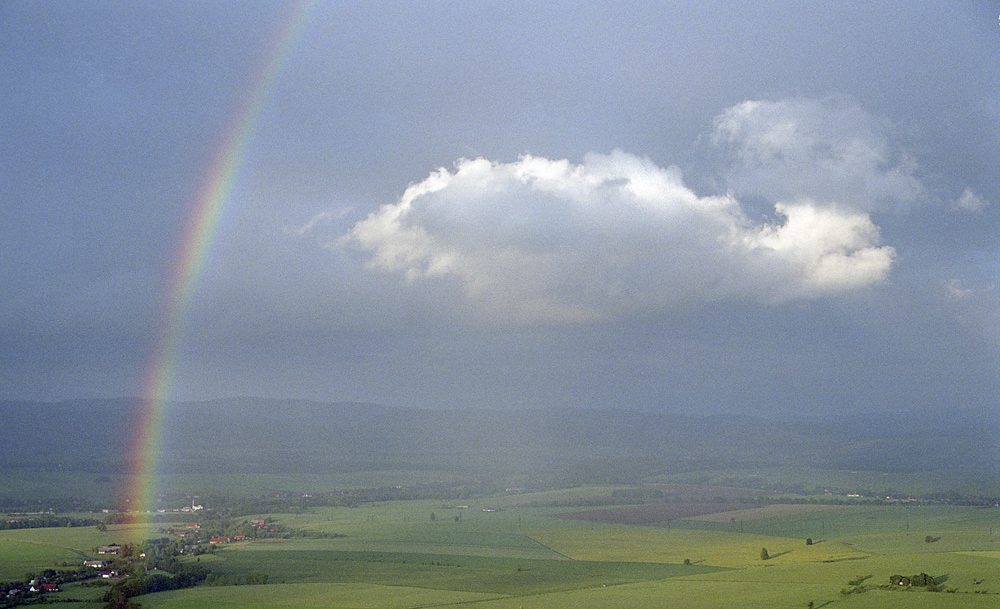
x: 28, y: 550
x: 692, y: 594
x: 873, y: 541
x: 316, y: 561
x: 516, y: 554
x: 900, y: 484
x: 20, y: 557
x: 312, y: 596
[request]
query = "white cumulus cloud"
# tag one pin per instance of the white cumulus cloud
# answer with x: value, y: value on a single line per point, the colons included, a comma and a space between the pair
x: 323, y: 218
x: 956, y: 290
x: 824, y: 150
x: 970, y: 202
x: 542, y: 240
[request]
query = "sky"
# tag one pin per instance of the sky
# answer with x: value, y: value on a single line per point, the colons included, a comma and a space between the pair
x: 766, y: 208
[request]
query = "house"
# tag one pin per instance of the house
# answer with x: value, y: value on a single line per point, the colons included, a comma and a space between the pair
x: 36, y: 586
x: 259, y: 522
x: 108, y: 574
x: 219, y: 540
x: 109, y: 549
x: 96, y: 564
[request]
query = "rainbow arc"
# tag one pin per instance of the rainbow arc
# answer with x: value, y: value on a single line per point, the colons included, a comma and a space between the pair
x: 190, y: 260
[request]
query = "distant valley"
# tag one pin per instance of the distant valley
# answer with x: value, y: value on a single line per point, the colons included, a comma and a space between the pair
x: 546, y: 446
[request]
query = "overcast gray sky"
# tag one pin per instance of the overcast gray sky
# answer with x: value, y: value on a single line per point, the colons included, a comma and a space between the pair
x: 762, y: 207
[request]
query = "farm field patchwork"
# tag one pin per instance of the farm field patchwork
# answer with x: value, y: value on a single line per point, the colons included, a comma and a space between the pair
x: 523, y: 550
x: 522, y: 554
x: 492, y: 574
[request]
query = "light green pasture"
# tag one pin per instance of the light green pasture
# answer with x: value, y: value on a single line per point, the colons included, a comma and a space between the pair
x: 698, y: 594
x: 473, y: 544
x: 406, y: 526
x: 29, y: 550
x: 20, y: 557
x: 310, y: 596
x: 882, y: 529
x: 317, y: 561
x: 82, y: 539
x: 656, y: 544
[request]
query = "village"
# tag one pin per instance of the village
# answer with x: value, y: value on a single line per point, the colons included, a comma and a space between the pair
x: 116, y: 562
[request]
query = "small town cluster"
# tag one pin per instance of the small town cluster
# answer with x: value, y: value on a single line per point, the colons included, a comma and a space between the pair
x: 115, y: 562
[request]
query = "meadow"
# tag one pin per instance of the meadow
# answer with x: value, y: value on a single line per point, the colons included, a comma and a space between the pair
x: 560, y: 548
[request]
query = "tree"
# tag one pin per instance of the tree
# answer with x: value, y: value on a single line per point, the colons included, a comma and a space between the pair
x: 763, y: 554
x: 809, y: 541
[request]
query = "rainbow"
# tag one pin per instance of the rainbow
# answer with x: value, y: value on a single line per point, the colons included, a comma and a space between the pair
x: 188, y: 263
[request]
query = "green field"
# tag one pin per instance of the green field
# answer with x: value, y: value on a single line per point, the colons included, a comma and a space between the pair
x: 884, y: 483
x: 28, y: 550
x: 20, y: 557
x: 512, y: 551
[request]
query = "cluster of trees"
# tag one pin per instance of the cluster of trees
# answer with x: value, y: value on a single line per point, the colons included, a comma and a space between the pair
x: 162, y: 554
x: 185, y: 575
x: 957, y: 498
x: 914, y: 580
x: 42, y: 521
x: 21, y: 505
